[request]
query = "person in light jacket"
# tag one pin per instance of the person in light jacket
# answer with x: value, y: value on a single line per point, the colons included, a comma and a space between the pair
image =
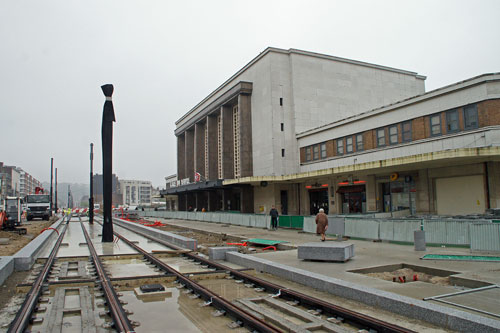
x: 321, y: 224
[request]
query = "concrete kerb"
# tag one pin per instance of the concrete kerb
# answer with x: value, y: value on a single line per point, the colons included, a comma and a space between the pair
x: 185, y: 242
x: 6, y: 268
x: 406, y: 306
x: 26, y: 257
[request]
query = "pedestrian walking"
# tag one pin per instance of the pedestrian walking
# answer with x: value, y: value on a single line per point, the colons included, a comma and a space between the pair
x: 321, y: 224
x: 274, y: 218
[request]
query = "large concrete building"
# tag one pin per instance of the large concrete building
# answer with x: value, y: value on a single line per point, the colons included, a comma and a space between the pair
x: 302, y: 131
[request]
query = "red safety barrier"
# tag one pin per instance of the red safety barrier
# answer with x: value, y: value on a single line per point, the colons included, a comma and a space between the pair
x: 240, y: 244
x: 156, y: 224
x: 270, y: 247
x: 50, y: 229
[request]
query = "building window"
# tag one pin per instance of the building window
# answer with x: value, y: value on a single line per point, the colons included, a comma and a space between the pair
x: 348, y: 145
x: 315, y: 152
x: 393, y: 134
x: 322, y: 150
x: 381, y: 137
x: 406, y: 131
x: 470, y: 117
x: 282, y: 152
x: 308, y: 154
x: 452, y: 121
x: 282, y: 127
x: 340, y: 146
x: 281, y: 101
x: 359, y: 142
x: 435, y: 124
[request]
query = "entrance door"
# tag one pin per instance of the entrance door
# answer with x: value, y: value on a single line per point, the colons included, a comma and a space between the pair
x: 318, y: 199
x: 284, y: 202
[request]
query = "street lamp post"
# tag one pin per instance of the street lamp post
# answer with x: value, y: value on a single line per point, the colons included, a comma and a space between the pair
x: 91, y: 197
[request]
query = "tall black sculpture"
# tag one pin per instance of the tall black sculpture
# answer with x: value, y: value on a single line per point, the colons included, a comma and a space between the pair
x: 108, y: 117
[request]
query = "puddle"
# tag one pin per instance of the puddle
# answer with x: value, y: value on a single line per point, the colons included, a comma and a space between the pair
x: 182, y: 265
x: 178, y: 313
x: 230, y: 290
x: 128, y: 268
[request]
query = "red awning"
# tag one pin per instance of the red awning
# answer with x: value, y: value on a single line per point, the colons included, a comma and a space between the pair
x: 351, y: 189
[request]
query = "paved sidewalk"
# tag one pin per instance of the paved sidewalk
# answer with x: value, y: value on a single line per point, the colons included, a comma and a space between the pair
x: 371, y: 254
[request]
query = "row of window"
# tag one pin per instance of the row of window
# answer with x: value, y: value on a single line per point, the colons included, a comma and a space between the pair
x: 390, y: 135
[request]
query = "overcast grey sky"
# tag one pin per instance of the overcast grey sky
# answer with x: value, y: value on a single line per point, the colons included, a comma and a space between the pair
x: 163, y: 57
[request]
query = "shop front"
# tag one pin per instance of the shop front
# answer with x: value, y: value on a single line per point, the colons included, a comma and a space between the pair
x: 352, y: 197
x: 399, y: 194
x: 318, y: 198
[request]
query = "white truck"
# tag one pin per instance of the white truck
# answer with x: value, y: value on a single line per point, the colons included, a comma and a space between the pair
x: 37, y: 205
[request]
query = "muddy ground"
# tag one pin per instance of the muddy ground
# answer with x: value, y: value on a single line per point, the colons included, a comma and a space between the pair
x: 17, y: 242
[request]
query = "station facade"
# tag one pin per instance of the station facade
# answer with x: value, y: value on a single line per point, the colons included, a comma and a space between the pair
x: 304, y: 131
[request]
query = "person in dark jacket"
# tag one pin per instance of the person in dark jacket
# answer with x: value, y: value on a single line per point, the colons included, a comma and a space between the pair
x: 321, y: 224
x: 274, y: 218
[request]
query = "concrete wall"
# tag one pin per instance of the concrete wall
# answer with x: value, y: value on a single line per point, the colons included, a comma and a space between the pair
x: 327, y: 90
x: 454, y: 96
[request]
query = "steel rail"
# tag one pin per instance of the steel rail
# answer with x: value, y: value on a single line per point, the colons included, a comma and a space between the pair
x: 121, y: 321
x: 244, y: 317
x: 354, y: 317
x: 24, y: 314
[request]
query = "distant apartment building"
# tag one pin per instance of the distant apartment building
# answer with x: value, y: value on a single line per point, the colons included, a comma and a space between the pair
x: 28, y: 183
x: 136, y: 192
x: 14, y: 181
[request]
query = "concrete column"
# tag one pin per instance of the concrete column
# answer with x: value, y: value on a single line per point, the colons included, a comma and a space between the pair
x: 371, y: 194
x: 227, y: 142
x: 182, y: 205
x: 190, y: 200
x: 212, y: 201
x: 494, y: 183
x: 245, y: 110
x: 199, y: 149
x: 246, y: 198
x: 423, y: 196
x: 189, y: 155
x: 181, y: 156
x: 212, y: 147
x: 227, y: 196
x: 201, y: 200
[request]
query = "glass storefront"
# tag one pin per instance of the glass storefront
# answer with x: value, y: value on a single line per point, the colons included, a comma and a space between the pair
x: 399, y: 195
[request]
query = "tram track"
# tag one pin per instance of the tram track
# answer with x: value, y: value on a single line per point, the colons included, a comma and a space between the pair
x: 120, y: 319
x: 355, y: 318
x: 242, y: 315
x: 23, y: 316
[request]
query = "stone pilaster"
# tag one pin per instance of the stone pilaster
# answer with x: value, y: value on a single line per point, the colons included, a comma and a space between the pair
x: 212, y: 147
x: 189, y: 155
x: 181, y: 156
x: 244, y: 107
x: 199, y: 149
x: 227, y: 142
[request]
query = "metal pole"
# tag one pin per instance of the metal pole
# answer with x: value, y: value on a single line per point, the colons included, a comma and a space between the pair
x: 91, y: 197
x: 55, y: 209
x: 69, y: 193
x: 51, y: 176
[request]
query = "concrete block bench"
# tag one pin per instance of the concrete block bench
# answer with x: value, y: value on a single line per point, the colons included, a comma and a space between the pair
x: 326, y: 251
